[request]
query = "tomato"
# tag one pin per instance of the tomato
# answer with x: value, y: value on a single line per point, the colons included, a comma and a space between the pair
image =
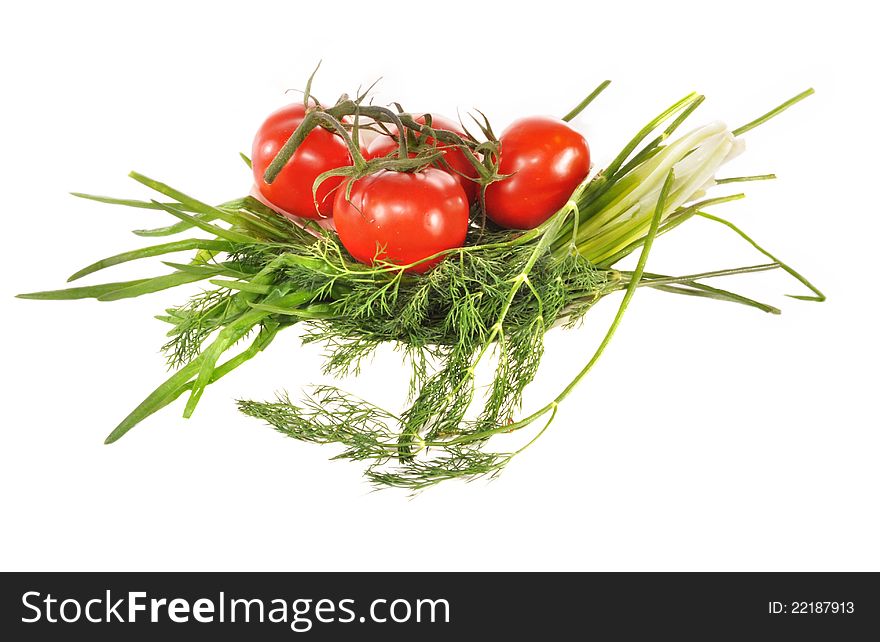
x: 402, y: 217
x: 384, y: 145
x: 547, y: 159
x: 321, y: 151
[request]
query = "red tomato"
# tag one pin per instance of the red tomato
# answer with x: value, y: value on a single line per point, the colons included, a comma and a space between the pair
x: 383, y: 145
x: 547, y: 160
x: 321, y: 151
x: 402, y: 217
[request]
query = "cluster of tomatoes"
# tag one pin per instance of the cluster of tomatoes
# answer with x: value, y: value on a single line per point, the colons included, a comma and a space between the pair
x: 403, y: 217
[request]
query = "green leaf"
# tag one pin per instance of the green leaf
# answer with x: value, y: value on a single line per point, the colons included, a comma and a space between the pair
x: 186, y: 203
x: 204, y: 210
x: 146, y: 205
x: 229, y: 235
x: 586, y: 101
x: 167, y: 230
x: 155, y: 284
x: 745, y: 179
x: 705, y: 291
x: 773, y: 112
x: 226, y: 268
x: 154, y: 250
x: 182, y: 226
x: 819, y: 297
x: 242, y: 286
x: 180, y: 382
x: 87, y: 292
x: 170, y: 230
x: 231, y: 334
x: 156, y: 400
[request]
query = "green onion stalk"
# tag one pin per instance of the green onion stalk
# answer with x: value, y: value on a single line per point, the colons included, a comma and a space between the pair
x: 491, y: 300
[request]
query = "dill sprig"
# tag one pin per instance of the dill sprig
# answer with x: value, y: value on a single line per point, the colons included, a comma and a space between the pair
x: 492, y: 300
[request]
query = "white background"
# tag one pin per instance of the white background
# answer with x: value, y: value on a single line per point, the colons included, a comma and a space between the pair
x: 710, y: 436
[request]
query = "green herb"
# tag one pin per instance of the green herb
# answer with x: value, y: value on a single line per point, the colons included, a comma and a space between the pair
x: 493, y: 299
